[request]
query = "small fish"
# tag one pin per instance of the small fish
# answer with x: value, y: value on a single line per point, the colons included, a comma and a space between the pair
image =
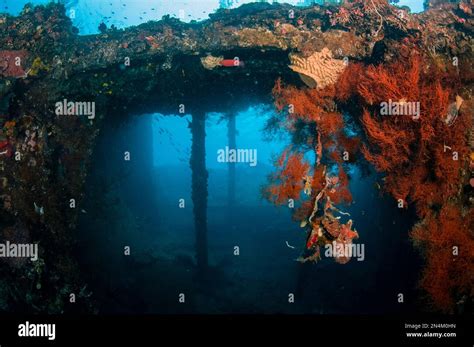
x: 38, y: 209
x: 288, y: 245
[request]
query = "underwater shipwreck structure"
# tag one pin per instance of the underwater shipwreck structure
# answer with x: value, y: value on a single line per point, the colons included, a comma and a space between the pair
x: 315, y: 62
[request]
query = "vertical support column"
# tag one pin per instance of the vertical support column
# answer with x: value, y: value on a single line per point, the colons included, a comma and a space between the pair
x: 199, y: 188
x: 231, y: 134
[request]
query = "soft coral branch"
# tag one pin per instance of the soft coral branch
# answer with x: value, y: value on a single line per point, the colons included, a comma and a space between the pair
x: 312, y: 117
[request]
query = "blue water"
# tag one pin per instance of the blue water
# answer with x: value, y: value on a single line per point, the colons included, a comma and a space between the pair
x: 174, y: 148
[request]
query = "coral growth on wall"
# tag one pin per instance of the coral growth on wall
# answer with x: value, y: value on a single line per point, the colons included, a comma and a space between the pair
x: 416, y: 133
x: 422, y: 154
x: 425, y: 158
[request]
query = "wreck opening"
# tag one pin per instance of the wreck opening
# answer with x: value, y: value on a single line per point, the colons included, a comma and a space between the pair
x: 124, y: 211
x: 198, y: 234
x: 157, y: 202
x: 187, y: 87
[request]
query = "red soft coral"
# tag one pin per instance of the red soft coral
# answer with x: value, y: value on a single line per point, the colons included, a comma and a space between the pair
x: 448, y: 245
x: 422, y: 159
x: 287, y: 182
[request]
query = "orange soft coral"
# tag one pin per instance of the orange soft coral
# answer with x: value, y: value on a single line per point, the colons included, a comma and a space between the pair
x: 423, y: 160
x: 312, y: 118
x: 448, y: 243
x: 411, y: 149
x: 423, y: 156
x: 287, y: 182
